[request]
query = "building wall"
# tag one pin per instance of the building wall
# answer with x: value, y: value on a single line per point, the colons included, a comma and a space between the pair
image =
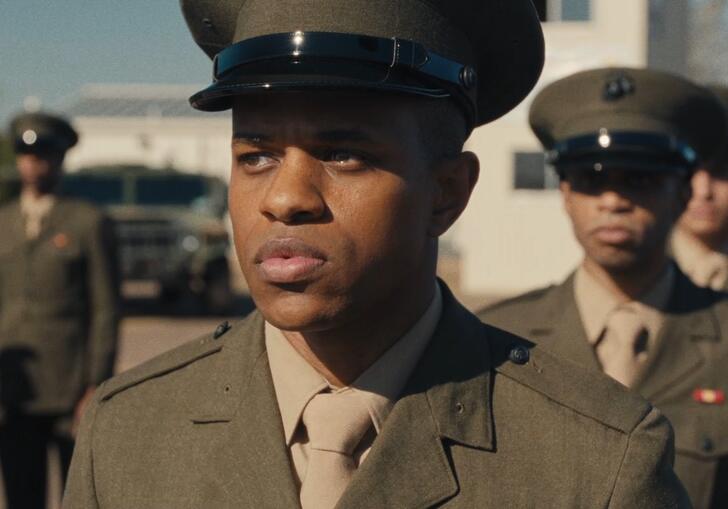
x: 513, y: 240
x: 186, y: 143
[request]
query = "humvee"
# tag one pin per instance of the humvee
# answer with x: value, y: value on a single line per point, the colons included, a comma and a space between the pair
x: 170, y: 228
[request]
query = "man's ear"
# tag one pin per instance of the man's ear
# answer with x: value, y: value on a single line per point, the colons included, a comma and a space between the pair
x: 455, y: 179
x: 565, y: 189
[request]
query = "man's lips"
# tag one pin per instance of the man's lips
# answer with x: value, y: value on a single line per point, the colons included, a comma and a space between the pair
x: 615, y: 235
x: 288, y: 260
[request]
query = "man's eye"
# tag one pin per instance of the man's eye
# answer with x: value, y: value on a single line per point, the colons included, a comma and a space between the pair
x: 342, y: 156
x: 641, y: 181
x: 345, y: 160
x: 255, y: 161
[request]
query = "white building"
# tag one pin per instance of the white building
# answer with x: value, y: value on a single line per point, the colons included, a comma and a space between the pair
x: 512, y: 237
x: 150, y: 125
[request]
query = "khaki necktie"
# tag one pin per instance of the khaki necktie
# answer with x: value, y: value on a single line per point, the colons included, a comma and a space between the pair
x: 33, y: 220
x: 621, y: 348
x: 336, y: 423
x: 34, y: 211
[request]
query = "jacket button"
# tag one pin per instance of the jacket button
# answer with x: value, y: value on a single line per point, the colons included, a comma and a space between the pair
x: 519, y: 354
x: 706, y: 444
x: 221, y: 329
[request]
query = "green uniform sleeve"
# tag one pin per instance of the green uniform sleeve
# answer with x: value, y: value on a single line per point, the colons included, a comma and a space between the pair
x: 103, y: 288
x: 80, y: 492
x: 646, y: 478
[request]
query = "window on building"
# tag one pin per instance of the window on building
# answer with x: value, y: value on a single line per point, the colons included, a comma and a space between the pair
x: 530, y: 172
x: 563, y: 10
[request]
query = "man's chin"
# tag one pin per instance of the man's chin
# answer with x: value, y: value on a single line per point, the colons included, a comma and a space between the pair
x: 617, y: 260
x: 703, y: 229
x: 300, y: 312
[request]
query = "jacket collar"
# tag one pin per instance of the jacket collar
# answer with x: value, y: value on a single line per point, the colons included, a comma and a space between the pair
x: 679, y: 349
x: 16, y: 227
x: 252, y: 465
x: 690, y: 325
x: 558, y: 326
x: 448, y: 397
x: 56, y: 215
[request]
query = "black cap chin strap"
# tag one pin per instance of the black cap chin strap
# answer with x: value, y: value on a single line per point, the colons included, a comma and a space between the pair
x: 392, y: 52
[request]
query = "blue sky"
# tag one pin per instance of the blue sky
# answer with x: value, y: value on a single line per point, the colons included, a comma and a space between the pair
x: 50, y: 48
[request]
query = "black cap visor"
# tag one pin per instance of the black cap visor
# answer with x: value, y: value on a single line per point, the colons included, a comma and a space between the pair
x: 328, y: 61
x: 42, y: 146
x: 623, y: 150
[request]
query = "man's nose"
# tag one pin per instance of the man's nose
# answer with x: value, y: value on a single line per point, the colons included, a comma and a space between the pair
x: 701, y: 184
x: 613, y: 199
x: 294, y: 194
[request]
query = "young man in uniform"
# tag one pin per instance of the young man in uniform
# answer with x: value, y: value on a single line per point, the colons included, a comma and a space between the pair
x: 624, y: 143
x: 360, y: 382
x: 700, y: 241
x: 58, y: 310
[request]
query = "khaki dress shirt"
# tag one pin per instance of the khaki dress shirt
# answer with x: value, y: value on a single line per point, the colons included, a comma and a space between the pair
x: 705, y: 267
x: 595, y: 304
x: 35, y: 210
x: 296, y: 382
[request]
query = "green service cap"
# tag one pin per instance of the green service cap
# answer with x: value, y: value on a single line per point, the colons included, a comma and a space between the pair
x: 485, y: 54
x: 41, y: 133
x: 722, y: 92
x: 634, y: 118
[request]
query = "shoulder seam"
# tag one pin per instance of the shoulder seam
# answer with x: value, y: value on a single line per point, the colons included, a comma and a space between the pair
x: 144, y: 377
x: 575, y: 410
x: 528, y: 296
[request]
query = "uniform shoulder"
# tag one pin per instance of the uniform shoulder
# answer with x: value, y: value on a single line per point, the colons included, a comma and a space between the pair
x: 567, y: 384
x: 168, y: 362
x: 9, y: 207
x: 519, y: 302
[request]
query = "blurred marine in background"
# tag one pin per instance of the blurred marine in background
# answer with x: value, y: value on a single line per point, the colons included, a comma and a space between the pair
x: 700, y: 242
x: 58, y: 310
x: 625, y: 143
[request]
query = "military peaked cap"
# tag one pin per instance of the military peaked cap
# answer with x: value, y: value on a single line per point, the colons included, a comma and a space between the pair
x: 485, y: 54
x: 41, y: 133
x: 722, y: 92
x: 635, y: 118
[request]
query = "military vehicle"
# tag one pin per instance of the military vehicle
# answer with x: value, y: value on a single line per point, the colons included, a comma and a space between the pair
x: 172, y: 238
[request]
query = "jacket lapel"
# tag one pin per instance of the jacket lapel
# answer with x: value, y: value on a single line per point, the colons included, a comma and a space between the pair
x: 250, y: 463
x: 557, y: 326
x: 56, y: 214
x: 16, y: 227
x: 446, y: 400
x: 689, y: 323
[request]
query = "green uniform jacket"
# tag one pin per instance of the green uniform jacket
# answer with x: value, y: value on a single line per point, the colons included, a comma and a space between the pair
x: 58, y: 307
x: 200, y: 427
x: 691, y: 353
